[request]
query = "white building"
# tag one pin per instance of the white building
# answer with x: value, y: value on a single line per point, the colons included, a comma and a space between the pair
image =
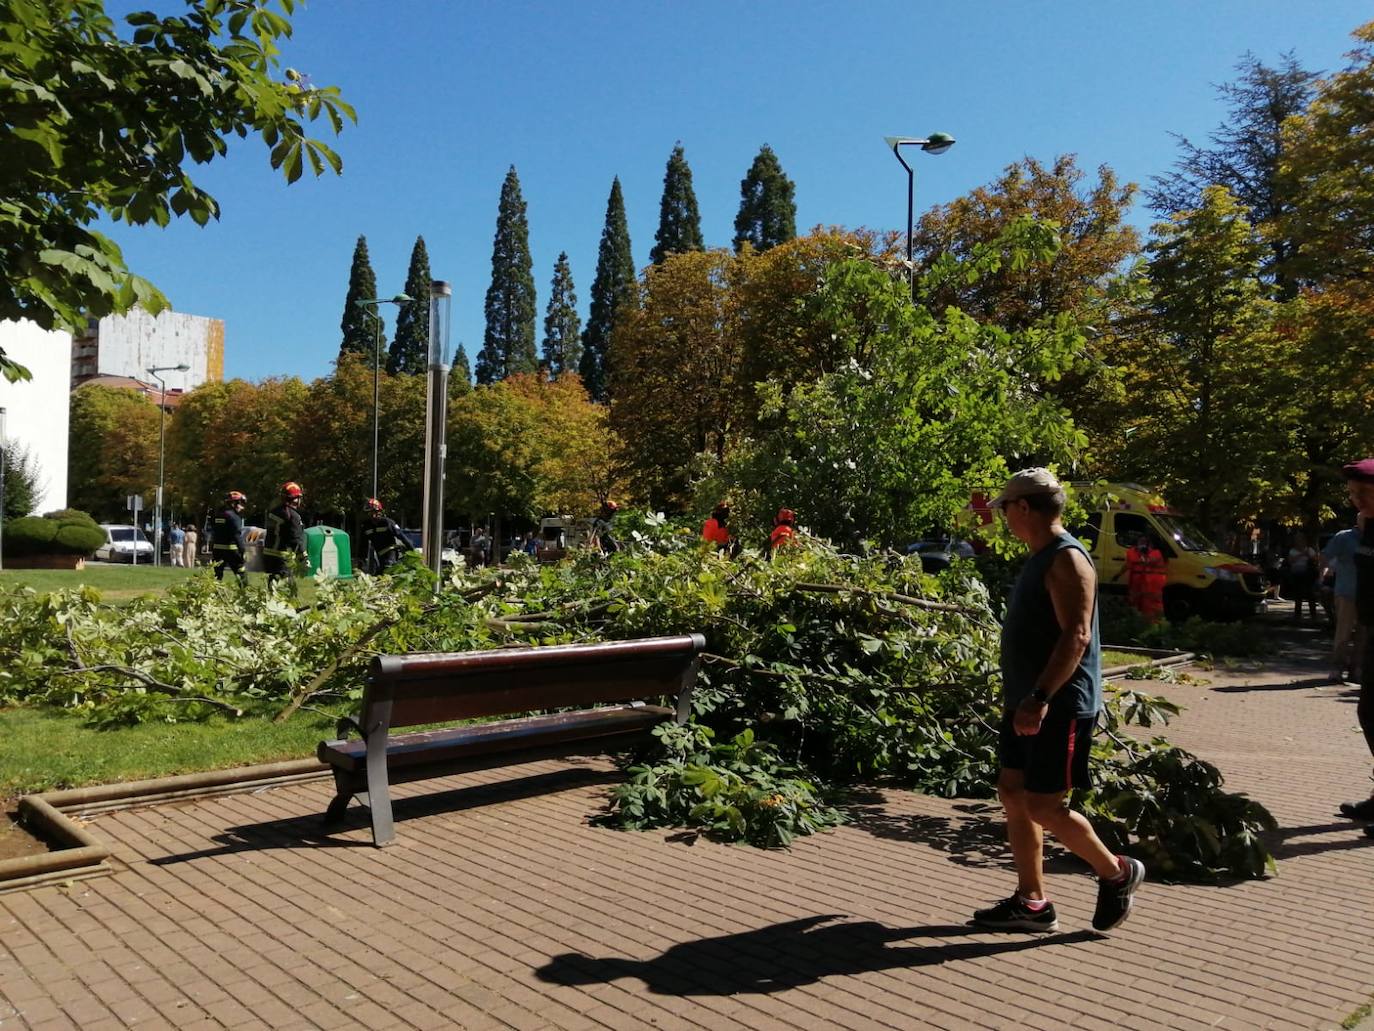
x: 129, y: 345
x: 36, y: 410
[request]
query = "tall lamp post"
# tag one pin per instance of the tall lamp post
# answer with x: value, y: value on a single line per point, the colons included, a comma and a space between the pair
x: 370, y: 305
x: 935, y: 143
x: 436, y: 418
x: 161, y: 454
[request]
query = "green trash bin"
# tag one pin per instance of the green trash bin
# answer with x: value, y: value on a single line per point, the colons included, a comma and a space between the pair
x: 326, y: 548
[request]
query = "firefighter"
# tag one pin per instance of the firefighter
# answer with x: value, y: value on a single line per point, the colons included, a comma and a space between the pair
x: 601, y: 528
x: 784, y: 531
x: 717, y: 531
x: 382, y: 537
x: 285, y: 541
x: 226, y: 533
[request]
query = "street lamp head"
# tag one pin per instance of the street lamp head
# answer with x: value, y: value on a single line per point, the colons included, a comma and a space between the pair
x: 937, y: 143
x: 402, y: 299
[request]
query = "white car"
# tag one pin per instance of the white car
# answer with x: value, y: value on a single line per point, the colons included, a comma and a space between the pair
x: 124, y: 544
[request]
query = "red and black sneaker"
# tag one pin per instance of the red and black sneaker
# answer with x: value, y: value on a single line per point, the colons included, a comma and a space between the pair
x: 1014, y: 915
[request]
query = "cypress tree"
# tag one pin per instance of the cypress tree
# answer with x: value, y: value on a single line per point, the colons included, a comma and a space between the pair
x: 409, y: 351
x: 462, y: 368
x: 359, y: 331
x: 679, y: 221
x: 767, y: 211
x: 614, y: 286
x: 508, y: 345
x: 562, y: 348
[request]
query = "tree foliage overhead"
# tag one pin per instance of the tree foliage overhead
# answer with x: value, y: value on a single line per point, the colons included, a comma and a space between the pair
x: 613, y: 288
x: 409, y: 351
x: 562, y: 327
x: 679, y: 220
x: 508, y: 345
x: 767, y: 207
x: 100, y: 123
x: 1243, y: 155
x: 362, y: 325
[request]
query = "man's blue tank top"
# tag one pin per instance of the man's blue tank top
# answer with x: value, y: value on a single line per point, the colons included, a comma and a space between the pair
x: 1031, y: 632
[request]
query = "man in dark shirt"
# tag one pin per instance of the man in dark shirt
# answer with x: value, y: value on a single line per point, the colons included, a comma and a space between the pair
x: 1052, y: 692
x: 285, y: 541
x: 226, y: 535
x: 383, y: 537
x: 1359, y: 482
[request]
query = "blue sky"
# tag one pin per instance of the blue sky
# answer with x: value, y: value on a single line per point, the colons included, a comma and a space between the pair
x: 450, y: 94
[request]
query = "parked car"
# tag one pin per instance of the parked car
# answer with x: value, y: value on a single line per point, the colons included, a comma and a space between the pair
x: 937, y: 552
x: 447, y: 556
x: 124, y: 544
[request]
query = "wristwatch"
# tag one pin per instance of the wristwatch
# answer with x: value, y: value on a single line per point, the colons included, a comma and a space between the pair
x: 1040, y: 696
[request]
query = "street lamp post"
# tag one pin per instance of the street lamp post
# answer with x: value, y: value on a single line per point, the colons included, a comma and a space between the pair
x: 935, y: 143
x: 436, y: 418
x: 370, y: 305
x: 161, y: 456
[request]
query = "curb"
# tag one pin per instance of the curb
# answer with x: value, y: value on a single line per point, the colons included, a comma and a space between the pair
x: 57, y: 816
x: 1157, y: 657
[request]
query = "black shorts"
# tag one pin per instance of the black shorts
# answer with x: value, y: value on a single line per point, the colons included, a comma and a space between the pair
x: 1054, y: 760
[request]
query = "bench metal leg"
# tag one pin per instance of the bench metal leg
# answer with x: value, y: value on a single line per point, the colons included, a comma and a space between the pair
x: 379, y: 796
x: 343, y: 794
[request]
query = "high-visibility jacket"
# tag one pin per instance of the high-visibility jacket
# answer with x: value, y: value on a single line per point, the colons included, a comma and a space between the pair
x: 285, y: 533
x: 715, y: 532
x: 782, y: 534
x: 226, y: 531
x: 1145, y: 577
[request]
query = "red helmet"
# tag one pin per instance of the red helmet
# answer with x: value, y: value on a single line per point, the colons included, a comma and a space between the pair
x: 235, y: 497
x: 373, y: 505
x: 786, y: 515
x: 292, y: 489
x: 612, y: 506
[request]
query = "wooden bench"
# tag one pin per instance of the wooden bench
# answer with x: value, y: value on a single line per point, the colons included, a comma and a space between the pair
x: 411, y: 690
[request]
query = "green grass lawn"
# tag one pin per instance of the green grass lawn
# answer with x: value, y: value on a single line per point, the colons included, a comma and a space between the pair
x: 45, y: 749
x: 118, y: 583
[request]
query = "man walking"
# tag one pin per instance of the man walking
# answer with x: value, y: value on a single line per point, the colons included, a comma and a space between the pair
x: 226, y: 533
x: 1359, y: 482
x: 285, y: 534
x: 1052, y: 692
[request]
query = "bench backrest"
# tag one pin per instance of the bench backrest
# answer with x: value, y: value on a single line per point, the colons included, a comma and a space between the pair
x: 432, y: 687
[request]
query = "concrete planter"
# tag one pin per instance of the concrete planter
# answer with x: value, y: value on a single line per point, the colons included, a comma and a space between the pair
x: 45, y: 562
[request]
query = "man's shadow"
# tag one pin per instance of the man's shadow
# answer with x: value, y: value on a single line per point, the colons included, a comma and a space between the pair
x: 788, y: 955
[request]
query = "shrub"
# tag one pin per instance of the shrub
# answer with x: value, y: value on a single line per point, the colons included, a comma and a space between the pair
x: 67, y: 532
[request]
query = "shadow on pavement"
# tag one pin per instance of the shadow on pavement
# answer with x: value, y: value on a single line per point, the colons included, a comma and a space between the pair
x: 787, y: 955
x: 1353, y: 836
x: 309, y: 832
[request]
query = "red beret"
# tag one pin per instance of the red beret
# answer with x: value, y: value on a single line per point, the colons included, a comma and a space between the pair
x: 1362, y: 470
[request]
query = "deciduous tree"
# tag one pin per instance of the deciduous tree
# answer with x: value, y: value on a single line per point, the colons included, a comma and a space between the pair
x: 113, y: 453
x: 679, y: 220
x: 508, y: 345
x: 562, y: 326
x: 102, y: 122
x: 767, y: 208
x: 613, y: 288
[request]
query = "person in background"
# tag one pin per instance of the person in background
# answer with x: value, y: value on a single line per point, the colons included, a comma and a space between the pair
x: 176, y: 545
x: 1359, y: 482
x: 1145, y: 575
x: 1338, y: 559
x: 226, y: 530
x: 382, y: 537
x: 715, y: 529
x: 285, y: 542
x: 1302, y: 577
x: 602, y: 526
x: 189, y: 546
x: 784, y: 531
x: 530, y: 545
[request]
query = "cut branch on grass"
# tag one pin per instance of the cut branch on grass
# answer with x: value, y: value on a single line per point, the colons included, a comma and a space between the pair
x: 302, y: 695
x: 150, y: 682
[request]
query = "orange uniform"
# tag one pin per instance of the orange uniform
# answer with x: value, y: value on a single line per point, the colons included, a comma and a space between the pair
x: 1145, y: 574
x: 715, y: 532
x: 782, y: 534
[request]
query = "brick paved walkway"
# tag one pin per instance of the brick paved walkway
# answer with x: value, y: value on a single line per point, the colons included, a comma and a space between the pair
x: 499, y: 907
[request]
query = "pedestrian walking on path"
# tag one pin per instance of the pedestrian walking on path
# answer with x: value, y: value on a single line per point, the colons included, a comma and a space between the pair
x: 1338, y: 557
x: 1052, y: 693
x: 1359, y: 482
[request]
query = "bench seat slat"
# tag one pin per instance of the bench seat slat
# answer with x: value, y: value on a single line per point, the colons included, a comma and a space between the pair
x: 530, y: 732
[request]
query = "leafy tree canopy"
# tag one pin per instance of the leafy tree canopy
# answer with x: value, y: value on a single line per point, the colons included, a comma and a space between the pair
x: 767, y: 207
x: 113, y: 452
x: 679, y: 220
x: 97, y: 125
